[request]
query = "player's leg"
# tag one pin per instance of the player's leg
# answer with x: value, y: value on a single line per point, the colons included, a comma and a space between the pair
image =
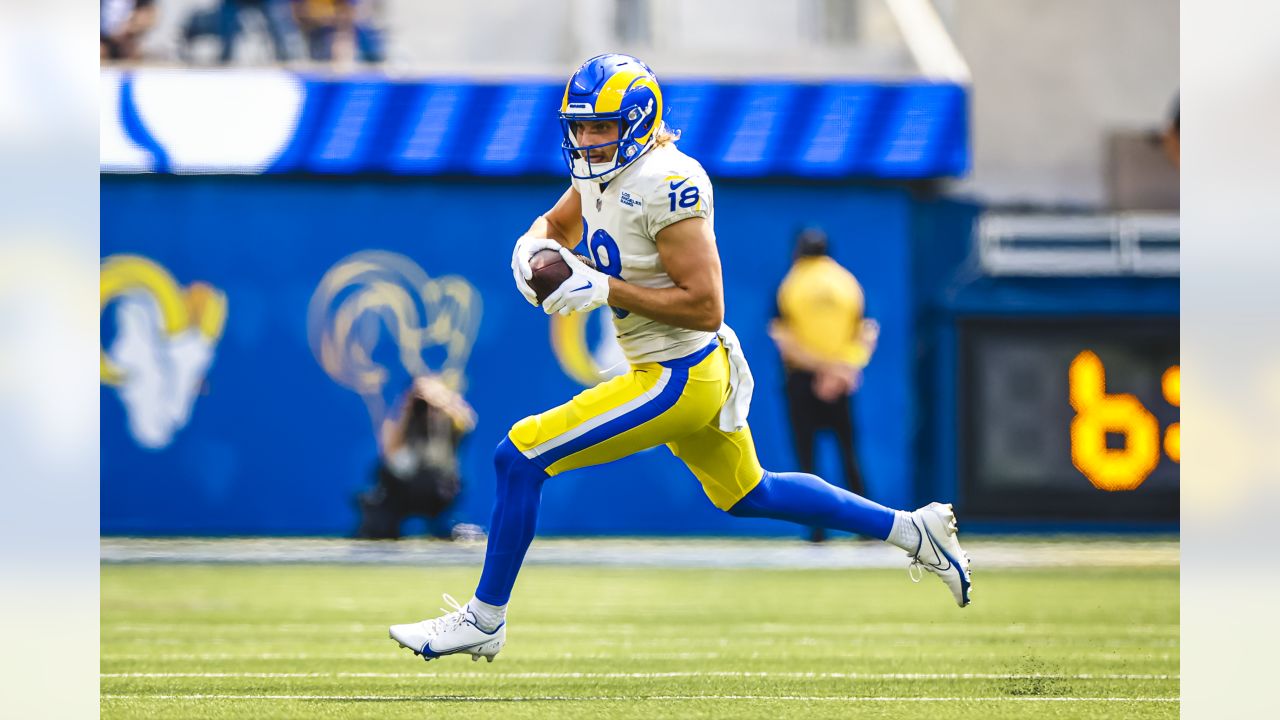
x: 647, y: 407
x: 478, y: 627
x: 731, y: 476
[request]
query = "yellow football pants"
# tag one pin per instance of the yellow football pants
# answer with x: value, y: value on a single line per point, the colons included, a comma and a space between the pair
x: 674, y: 403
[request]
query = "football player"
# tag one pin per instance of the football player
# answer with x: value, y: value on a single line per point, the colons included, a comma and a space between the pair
x: 646, y: 212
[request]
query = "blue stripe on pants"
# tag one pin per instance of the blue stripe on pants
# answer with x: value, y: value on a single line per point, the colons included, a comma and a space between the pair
x: 634, y: 419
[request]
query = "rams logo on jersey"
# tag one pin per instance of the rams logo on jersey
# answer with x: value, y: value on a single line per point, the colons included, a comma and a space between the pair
x: 374, y: 295
x: 165, y: 336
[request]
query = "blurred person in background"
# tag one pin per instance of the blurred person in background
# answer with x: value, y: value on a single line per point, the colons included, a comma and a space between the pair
x: 122, y: 23
x: 225, y: 21
x: 825, y: 343
x: 274, y: 14
x: 417, y: 472
x: 342, y: 30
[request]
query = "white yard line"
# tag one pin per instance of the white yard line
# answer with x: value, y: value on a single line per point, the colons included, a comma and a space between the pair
x: 696, y: 553
x: 634, y: 629
x: 392, y: 656
x: 654, y: 675
x: 653, y: 643
x: 632, y: 698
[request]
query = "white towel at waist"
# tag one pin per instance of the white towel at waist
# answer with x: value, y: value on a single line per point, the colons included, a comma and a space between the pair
x: 733, y: 416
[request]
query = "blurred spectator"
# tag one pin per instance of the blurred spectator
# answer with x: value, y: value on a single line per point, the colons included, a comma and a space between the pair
x: 825, y: 343
x: 226, y: 22
x: 339, y: 30
x: 121, y: 25
x: 417, y: 473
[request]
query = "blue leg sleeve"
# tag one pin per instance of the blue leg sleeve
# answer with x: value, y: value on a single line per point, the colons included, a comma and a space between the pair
x: 515, y: 517
x: 810, y: 500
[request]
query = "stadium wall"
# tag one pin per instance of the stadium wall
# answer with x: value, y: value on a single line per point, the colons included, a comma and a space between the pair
x: 269, y: 441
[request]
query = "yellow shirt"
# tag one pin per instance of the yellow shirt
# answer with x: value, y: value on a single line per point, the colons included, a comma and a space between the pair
x: 324, y: 11
x: 821, y: 303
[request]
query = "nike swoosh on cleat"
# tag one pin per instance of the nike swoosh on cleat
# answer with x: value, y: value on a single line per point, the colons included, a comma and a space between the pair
x: 965, y: 583
x: 937, y: 553
x: 584, y: 287
x: 676, y: 185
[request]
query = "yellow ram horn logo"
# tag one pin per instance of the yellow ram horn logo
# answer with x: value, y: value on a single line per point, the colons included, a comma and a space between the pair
x: 569, y: 341
x: 164, y: 344
x: 374, y: 293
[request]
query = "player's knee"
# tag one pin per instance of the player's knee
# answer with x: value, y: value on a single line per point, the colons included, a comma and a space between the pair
x: 755, y: 502
x: 506, y: 456
x: 512, y: 466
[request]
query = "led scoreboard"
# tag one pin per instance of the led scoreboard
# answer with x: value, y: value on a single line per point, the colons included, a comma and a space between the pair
x: 1070, y: 419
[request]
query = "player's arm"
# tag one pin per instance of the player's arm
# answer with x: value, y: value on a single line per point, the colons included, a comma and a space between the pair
x: 687, y: 249
x: 562, y: 223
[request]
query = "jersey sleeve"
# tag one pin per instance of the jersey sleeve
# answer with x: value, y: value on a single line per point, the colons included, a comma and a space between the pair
x: 677, y: 196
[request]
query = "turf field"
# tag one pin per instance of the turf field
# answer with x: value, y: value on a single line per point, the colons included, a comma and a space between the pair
x: 309, y: 641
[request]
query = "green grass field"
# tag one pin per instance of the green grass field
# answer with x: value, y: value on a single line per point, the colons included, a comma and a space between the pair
x: 293, y: 641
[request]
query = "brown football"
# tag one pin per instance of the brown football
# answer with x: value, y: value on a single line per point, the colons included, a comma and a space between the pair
x: 549, y: 271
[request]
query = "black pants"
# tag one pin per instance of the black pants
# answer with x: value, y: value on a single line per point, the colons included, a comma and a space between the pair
x: 809, y: 415
x: 427, y: 493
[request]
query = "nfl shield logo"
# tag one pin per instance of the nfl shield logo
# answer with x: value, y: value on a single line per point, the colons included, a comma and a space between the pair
x: 599, y: 202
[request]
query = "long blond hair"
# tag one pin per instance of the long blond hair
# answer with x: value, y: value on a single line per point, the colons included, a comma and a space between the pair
x: 666, y: 136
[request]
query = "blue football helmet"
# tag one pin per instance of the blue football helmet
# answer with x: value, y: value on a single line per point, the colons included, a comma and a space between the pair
x: 617, y: 88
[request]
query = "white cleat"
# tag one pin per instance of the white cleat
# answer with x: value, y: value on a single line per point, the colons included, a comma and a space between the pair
x: 454, y: 632
x: 939, y: 551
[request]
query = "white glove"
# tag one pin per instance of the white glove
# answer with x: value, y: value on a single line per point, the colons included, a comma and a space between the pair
x: 525, y: 248
x: 586, y: 289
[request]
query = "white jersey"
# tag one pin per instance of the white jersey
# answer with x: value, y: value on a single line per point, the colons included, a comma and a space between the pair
x: 621, y: 220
